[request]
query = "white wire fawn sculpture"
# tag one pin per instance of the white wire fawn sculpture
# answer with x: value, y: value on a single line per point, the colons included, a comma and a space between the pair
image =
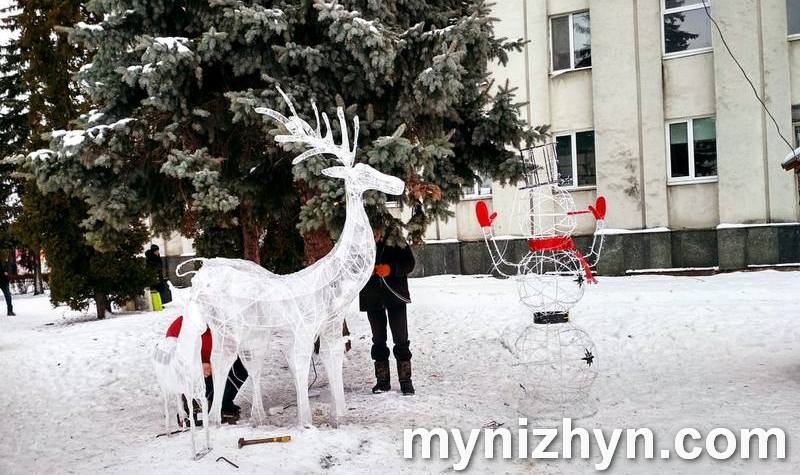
x: 177, y: 378
x: 243, y: 303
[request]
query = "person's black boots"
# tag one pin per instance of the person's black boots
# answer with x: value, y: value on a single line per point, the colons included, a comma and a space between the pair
x: 404, y: 376
x: 382, y: 375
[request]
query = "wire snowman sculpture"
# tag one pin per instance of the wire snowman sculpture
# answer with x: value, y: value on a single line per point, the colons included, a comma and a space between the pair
x: 244, y: 304
x: 556, y: 359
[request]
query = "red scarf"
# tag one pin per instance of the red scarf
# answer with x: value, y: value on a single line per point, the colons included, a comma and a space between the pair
x: 562, y: 243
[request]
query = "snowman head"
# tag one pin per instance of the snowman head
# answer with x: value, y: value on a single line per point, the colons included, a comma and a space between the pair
x: 544, y: 211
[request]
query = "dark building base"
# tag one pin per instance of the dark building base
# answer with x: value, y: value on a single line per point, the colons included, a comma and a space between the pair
x: 726, y: 248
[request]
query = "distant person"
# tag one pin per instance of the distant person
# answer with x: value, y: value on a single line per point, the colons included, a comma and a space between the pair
x: 153, y: 258
x: 5, y: 285
x: 236, y: 376
x: 384, y: 298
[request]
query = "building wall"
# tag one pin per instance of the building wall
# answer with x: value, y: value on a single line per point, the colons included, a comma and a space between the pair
x: 633, y: 89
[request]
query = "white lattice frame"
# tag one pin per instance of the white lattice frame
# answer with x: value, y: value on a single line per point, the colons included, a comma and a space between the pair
x: 243, y: 303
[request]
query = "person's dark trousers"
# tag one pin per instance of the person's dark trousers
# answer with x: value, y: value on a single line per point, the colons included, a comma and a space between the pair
x: 163, y: 290
x: 396, y: 317
x: 236, y: 378
x: 7, y: 292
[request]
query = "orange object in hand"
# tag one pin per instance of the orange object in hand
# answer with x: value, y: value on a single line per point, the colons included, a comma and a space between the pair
x: 382, y: 270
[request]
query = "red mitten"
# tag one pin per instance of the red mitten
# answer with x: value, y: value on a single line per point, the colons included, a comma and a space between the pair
x: 482, y: 211
x: 599, y: 209
x: 383, y: 270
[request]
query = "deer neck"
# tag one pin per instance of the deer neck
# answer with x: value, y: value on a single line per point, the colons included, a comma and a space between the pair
x: 357, y: 229
x: 354, y: 253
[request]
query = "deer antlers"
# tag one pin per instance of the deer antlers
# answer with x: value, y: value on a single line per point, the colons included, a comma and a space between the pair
x: 301, y: 132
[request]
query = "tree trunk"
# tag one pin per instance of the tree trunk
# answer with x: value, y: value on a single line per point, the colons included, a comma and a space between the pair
x: 101, y: 302
x: 318, y: 244
x: 250, y: 233
x: 38, y: 285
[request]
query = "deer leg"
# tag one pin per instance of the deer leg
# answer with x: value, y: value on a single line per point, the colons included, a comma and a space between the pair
x: 191, y: 423
x: 299, y: 359
x: 166, y: 411
x: 253, y: 361
x: 180, y: 411
x: 221, y: 362
x: 332, y: 353
x: 207, y: 428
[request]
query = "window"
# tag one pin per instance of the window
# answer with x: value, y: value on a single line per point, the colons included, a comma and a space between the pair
x: 686, y: 26
x: 793, y: 16
x: 570, y: 41
x: 481, y: 188
x: 692, y: 151
x: 576, y: 159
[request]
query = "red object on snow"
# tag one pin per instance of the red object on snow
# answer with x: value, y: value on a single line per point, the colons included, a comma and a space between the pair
x: 563, y: 243
x: 205, y: 350
x: 482, y: 211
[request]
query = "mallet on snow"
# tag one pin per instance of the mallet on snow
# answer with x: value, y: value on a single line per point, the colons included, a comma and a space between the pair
x: 283, y: 438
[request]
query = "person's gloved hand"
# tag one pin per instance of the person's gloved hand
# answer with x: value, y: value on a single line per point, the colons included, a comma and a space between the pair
x: 382, y: 270
x: 206, y: 370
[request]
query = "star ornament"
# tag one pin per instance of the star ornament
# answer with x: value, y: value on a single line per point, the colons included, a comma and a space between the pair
x: 588, y: 358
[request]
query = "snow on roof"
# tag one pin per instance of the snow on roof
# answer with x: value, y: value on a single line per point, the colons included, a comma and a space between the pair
x: 791, y: 160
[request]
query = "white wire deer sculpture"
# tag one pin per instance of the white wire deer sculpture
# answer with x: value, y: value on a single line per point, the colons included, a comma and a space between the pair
x: 244, y: 304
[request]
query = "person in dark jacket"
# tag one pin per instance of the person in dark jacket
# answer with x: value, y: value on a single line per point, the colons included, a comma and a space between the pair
x: 384, y: 298
x: 5, y: 286
x: 153, y: 259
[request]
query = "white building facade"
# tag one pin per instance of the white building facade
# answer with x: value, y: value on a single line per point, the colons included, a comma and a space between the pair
x: 649, y: 109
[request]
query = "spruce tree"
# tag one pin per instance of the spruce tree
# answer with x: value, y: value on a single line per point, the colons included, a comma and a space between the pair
x: 46, y: 99
x: 174, y: 135
x: 14, y: 134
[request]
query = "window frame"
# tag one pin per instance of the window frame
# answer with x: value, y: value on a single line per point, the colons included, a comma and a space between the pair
x: 690, y: 52
x: 477, y: 195
x: 571, y: 67
x: 574, y: 154
x: 790, y: 36
x: 691, y: 179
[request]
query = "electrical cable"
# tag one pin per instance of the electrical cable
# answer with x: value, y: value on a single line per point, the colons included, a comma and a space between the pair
x: 747, y: 78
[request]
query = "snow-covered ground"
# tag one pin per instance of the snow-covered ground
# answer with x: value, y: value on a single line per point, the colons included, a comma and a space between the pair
x: 79, y: 395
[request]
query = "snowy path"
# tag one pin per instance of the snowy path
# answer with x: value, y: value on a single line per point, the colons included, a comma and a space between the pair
x: 79, y: 395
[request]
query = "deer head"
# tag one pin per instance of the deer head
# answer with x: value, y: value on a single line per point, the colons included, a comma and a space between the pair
x: 357, y: 178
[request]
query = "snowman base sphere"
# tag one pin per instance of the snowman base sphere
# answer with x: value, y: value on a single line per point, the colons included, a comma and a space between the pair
x: 554, y: 361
